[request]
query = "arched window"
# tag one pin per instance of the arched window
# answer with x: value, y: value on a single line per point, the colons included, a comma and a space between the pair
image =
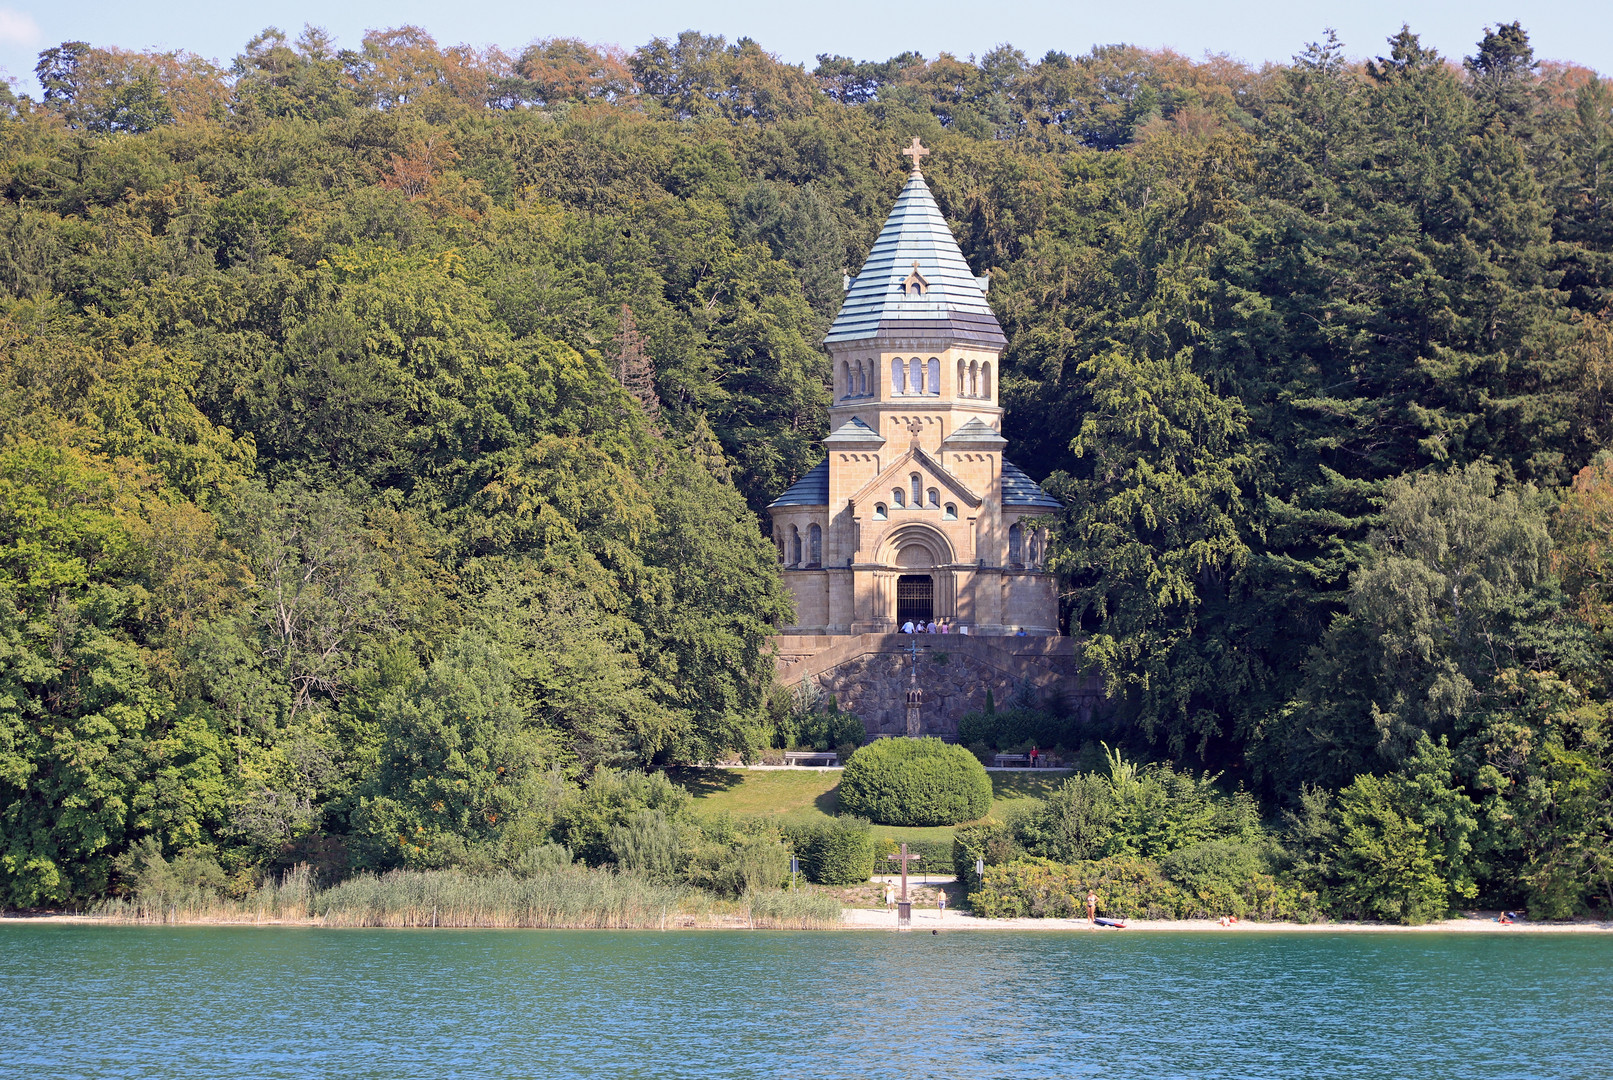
x: 934, y: 386
x: 918, y: 489
x: 974, y: 378
x: 961, y: 387
x: 985, y: 380
x: 1016, y: 544
x: 898, y: 377
x: 950, y: 512
x: 897, y: 498
x: 847, y: 387
x: 879, y: 512
x: 1035, y: 553
x: 815, y: 546
x: 934, y: 499
x: 862, y: 379
x: 915, y: 376
x: 795, y: 546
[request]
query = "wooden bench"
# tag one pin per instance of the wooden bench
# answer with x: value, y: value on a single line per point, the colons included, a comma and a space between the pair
x: 811, y: 757
x: 1007, y: 761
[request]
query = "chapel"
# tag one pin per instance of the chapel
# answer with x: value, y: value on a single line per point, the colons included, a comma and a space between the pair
x: 914, y: 513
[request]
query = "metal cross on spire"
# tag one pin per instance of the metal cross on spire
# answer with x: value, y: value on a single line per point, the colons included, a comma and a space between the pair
x: 916, y: 152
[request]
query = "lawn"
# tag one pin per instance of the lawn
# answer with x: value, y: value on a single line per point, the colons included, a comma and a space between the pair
x: 808, y: 795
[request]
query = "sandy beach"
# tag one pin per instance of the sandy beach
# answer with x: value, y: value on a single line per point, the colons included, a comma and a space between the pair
x: 863, y: 919
x: 928, y: 919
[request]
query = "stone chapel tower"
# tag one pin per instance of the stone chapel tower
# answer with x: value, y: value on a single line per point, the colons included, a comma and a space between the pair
x: 914, y: 512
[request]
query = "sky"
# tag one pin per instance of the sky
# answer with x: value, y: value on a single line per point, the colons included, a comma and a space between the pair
x: 1580, y: 31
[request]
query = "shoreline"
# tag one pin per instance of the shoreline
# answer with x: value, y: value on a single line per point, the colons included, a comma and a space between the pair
x: 866, y: 919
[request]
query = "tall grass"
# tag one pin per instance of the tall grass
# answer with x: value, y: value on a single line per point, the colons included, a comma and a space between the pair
x: 778, y: 909
x: 569, y: 897
x: 166, y: 900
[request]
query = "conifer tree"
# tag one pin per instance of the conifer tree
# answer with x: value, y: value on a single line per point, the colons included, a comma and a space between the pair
x: 635, y: 370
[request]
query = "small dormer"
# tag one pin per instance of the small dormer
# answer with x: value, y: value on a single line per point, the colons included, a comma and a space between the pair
x: 914, y: 284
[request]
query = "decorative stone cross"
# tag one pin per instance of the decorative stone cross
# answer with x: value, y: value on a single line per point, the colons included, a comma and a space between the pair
x: 916, y: 151
x: 904, y: 858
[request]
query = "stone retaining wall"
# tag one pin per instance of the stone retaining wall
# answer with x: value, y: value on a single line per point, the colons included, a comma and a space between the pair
x: 869, y: 675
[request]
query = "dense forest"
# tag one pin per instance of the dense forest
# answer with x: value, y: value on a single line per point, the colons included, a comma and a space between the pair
x: 386, y: 430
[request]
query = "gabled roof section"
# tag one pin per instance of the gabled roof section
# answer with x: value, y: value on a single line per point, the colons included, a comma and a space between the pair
x: 916, y: 281
x: 897, y: 472
x: 1019, y: 490
x: 975, y: 435
x: 811, y: 490
x: 854, y: 433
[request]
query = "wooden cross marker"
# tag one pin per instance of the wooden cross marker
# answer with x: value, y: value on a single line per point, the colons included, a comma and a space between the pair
x: 916, y: 151
x: 904, y: 858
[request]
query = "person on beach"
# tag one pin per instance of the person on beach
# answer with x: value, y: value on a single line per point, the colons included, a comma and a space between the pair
x: 890, y: 896
x: 940, y: 904
x: 1092, y: 908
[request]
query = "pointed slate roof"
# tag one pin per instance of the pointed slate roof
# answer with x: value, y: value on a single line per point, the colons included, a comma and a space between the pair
x: 976, y: 433
x: 953, y: 300
x: 1020, y: 490
x: 854, y: 431
x: 811, y: 490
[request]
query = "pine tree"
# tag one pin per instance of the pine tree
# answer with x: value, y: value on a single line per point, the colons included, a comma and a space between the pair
x: 635, y: 370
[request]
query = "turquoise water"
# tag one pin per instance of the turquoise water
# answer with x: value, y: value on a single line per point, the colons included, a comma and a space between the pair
x: 94, y: 1001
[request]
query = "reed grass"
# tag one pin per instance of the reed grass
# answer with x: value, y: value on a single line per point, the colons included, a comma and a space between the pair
x: 780, y: 909
x: 572, y: 897
x: 289, y: 897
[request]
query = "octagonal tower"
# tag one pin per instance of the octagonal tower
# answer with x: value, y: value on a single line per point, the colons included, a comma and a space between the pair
x: 914, y: 512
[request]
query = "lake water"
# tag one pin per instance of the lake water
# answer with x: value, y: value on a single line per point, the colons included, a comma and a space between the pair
x: 96, y: 1001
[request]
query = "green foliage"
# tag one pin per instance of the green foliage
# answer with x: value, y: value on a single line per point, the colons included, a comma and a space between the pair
x: 587, y: 819
x: 1436, y: 610
x: 1132, y: 888
x: 989, y: 841
x: 840, y: 852
x: 1142, y: 811
x: 1000, y: 730
x: 647, y: 844
x: 332, y: 481
x: 1402, y: 849
x: 806, y: 719
x: 915, y: 782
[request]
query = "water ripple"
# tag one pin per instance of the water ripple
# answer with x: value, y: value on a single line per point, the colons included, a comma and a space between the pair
x: 78, y: 1001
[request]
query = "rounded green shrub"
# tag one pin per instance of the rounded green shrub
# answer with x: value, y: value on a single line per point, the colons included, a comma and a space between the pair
x: 915, y: 782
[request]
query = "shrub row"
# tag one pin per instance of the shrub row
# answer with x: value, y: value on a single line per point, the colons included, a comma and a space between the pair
x: 1011, y: 728
x: 915, y: 782
x: 1130, y: 888
x: 935, y: 856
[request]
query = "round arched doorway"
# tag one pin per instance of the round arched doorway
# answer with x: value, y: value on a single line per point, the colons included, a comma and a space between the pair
x: 915, y: 592
x: 915, y: 598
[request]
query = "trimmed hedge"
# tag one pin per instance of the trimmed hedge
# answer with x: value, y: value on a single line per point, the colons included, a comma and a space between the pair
x: 840, y: 852
x: 1016, y: 727
x: 915, y: 782
x: 1130, y: 888
x: 935, y: 856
